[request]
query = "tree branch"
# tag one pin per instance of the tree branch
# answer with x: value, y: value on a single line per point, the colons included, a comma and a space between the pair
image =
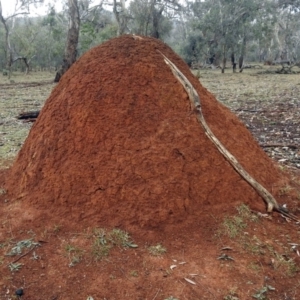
x: 194, y: 98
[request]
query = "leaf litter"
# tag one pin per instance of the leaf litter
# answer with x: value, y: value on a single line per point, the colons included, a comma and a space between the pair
x: 269, y: 106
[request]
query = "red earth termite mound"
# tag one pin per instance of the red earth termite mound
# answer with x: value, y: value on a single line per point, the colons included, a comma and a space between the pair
x: 118, y: 141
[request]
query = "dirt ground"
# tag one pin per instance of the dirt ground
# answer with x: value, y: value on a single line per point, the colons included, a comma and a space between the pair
x: 241, y: 253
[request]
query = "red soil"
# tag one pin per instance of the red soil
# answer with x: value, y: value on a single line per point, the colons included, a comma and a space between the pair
x: 117, y: 145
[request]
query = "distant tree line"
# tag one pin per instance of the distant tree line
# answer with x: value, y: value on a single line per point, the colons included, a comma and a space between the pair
x: 211, y: 32
x: 239, y: 30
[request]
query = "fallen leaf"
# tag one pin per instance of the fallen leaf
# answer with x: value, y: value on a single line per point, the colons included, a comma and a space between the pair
x: 190, y: 281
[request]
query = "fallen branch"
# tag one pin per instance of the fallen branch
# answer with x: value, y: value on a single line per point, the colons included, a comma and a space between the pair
x: 252, y: 66
x: 279, y: 146
x: 28, y: 115
x: 17, y: 259
x: 25, y: 84
x: 249, y: 110
x: 195, y: 100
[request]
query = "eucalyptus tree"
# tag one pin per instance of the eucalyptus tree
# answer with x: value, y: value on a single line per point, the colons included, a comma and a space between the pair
x: 262, y: 31
x: 276, y: 31
x: 51, y: 41
x: 2, y: 48
x: 228, y: 26
x: 153, y: 17
x: 287, y: 31
x: 245, y: 20
x: 86, y: 23
x: 294, y: 4
x: 21, y: 8
x: 23, y: 39
x: 122, y: 16
x: 97, y: 26
x: 223, y: 28
x: 70, y: 54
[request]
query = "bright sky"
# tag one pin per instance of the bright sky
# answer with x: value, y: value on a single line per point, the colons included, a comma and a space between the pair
x: 8, y: 7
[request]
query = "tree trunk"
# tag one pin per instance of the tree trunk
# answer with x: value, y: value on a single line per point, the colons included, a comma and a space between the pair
x: 156, y: 16
x: 243, y: 52
x: 7, y: 49
x: 224, y: 60
x: 233, y: 62
x: 25, y: 62
x: 72, y: 39
x: 119, y: 11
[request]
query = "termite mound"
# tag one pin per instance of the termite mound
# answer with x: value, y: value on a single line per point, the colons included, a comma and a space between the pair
x: 118, y: 142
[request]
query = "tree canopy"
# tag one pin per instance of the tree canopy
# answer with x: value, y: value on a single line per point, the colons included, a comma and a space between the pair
x: 212, y: 32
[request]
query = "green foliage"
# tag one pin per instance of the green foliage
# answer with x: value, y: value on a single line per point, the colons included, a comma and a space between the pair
x: 231, y: 297
x: 50, y: 19
x: 262, y: 293
x: 157, y: 250
x: 224, y: 25
x: 100, y: 251
x: 257, y: 30
x: 121, y: 238
x: 74, y: 253
x: 104, y: 241
x: 250, y: 29
x: 95, y: 29
x: 147, y: 17
x: 194, y: 49
x: 253, y: 245
x: 100, y: 247
x: 14, y: 267
x: 88, y: 34
x: 108, y: 32
x: 234, y: 225
x: 20, y: 246
x: 134, y: 273
x: 245, y: 212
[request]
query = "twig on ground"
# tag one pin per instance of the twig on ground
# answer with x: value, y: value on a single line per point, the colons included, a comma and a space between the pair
x: 279, y: 146
x: 17, y: 259
x: 156, y: 294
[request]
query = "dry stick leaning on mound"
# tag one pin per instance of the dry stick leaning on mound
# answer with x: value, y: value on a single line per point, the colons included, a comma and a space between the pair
x: 272, y: 204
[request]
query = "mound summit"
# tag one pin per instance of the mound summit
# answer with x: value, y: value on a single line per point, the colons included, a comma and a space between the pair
x: 117, y: 141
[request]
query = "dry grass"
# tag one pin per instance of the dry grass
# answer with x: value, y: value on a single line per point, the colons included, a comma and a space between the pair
x: 252, y: 85
x: 25, y: 93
